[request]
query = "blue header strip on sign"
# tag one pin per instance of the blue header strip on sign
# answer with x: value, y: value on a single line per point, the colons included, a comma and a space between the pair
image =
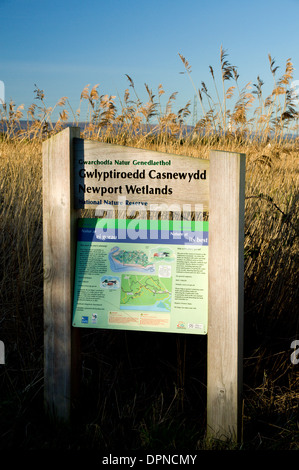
x: 112, y: 235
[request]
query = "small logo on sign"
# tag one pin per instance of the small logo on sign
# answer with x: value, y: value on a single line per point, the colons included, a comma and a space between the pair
x: 84, y: 319
x: 94, y: 318
x: 181, y: 325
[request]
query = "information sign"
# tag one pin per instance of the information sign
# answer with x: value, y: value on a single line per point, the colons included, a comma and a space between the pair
x: 149, y: 275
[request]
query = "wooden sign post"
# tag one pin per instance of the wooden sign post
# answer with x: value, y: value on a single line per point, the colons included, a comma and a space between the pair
x: 59, y: 245
x: 226, y: 287
x: 225, y: 200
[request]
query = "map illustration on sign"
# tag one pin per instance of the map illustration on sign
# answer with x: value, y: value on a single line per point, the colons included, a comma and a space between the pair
x: 123, y: 260
x: 145, y: 293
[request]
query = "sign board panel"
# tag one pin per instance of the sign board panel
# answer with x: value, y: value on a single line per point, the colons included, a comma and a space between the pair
x: 110, y: 174
x: 146, y: 275
x: 179, y: 281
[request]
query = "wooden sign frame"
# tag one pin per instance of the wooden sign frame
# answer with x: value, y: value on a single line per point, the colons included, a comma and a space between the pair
x: 226, y: 285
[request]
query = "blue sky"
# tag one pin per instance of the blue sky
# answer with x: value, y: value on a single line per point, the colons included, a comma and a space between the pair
x: 64, y: 45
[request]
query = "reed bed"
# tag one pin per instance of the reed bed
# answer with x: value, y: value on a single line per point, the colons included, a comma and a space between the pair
x: 137, y: 389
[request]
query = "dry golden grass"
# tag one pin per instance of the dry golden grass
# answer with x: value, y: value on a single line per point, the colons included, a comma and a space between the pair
x: 271, y: 269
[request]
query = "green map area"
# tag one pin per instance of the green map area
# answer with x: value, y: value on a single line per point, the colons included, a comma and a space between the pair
x: 145, y: 293
x: 131, y: 257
